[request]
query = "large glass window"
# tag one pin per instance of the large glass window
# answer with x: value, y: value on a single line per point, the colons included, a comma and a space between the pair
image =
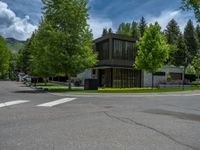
x: 119, y: 78
x: 123, y: 50
x: 103, y: 50
x: 126, y: 78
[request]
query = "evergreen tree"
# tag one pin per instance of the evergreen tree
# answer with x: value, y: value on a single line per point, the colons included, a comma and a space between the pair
x: 172, y: 34
x: 142, y: 26
x: 198, y: 33
x: 110, y: 30
x: 192, y: 5
x: 191, y: 40
x: 181, y: 55
x: 124, y: 29
x: 153, y: 50
x: 135, y: 30
x: 105, y: 31
x: 4, y: 57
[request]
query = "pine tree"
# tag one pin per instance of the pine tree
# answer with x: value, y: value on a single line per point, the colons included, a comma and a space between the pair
x: 135, y: 30
x: 110, y: 30
x: 105, y: 31
x: 142, y: 26
x: 124, y: 29
x: 191, y: 40
x: 181, y: 55
x: 172, y: 34
x: 198, y: 32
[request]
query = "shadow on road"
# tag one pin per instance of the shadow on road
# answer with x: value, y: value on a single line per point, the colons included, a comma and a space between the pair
x: 31, y: 91
x: 180, y: 115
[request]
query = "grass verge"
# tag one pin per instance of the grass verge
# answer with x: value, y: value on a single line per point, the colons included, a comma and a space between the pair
x: 62, y: 88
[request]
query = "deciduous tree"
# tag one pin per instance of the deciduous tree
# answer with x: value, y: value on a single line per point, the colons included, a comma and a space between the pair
x: 192, y: 5
x: 196, y: 63
x: 153, y: 50
x: 42, y: 61
x: 74, y: 45
x: 4, y: 57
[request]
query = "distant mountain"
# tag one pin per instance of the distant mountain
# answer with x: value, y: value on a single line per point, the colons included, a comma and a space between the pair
x: 14, y: 45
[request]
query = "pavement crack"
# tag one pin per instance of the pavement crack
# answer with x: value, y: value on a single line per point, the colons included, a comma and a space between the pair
x: 133, y: 122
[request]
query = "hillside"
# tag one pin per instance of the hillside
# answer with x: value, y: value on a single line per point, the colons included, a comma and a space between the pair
x: 14, y: 45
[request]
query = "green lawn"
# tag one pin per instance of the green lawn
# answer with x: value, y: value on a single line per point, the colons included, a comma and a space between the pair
x: 48, y: 85
x: 62, y: 88
x: 196, y: 82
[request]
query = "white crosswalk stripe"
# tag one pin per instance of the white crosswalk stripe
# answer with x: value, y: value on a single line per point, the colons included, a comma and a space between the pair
x: 57, y: 102
x: 10, y: 103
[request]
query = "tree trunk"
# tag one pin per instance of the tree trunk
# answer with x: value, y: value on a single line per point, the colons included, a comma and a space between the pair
x: 69, y: 82
x: 183, y: 86
x: 152, y: 81
x: 36, y: 81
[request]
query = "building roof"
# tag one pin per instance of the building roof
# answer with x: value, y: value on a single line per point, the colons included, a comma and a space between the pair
x: 115, y: 36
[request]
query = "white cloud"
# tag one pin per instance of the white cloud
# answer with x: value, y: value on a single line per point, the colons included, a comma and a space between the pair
x: 13, y: 26
x: 166, y: 16
x: 97, y: 25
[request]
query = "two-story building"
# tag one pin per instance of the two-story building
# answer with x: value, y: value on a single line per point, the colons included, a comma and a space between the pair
x: 116, y: 57
x: 116, y: 54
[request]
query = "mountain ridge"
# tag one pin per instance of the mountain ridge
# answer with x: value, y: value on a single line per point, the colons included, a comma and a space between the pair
x: 14, y: 44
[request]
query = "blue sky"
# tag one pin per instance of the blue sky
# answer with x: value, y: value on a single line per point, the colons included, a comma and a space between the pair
x: 19, y: 18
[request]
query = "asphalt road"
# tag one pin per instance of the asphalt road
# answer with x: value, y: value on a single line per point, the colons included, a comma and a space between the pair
x: 31, y: 120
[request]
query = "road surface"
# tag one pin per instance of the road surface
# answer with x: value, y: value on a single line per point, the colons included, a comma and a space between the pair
x: 32, y: 120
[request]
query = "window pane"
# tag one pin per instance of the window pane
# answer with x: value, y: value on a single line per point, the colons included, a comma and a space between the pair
x: 123, y: 50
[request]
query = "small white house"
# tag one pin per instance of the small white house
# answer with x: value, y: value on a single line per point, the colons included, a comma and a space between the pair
x: 166, y: 74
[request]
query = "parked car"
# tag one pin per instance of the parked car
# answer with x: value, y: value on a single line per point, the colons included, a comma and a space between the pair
x: 20, y: 76
x: 26, y: 78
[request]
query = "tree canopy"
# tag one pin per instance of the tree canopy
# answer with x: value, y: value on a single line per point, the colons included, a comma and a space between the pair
x: 191, y: 40
x: 198, y: 32
x: 135, y: 33
x: 124, y: 29
x: 142, y: 26
x: 192, y: 5
x: 181, y: 55
x: 172, y: 34
x: 153, y: 50
x: 196, y: 63
x: 70, y: 45
x: 4, y: 57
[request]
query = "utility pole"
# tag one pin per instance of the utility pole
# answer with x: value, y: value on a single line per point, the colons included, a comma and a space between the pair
x: 184, y: 68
